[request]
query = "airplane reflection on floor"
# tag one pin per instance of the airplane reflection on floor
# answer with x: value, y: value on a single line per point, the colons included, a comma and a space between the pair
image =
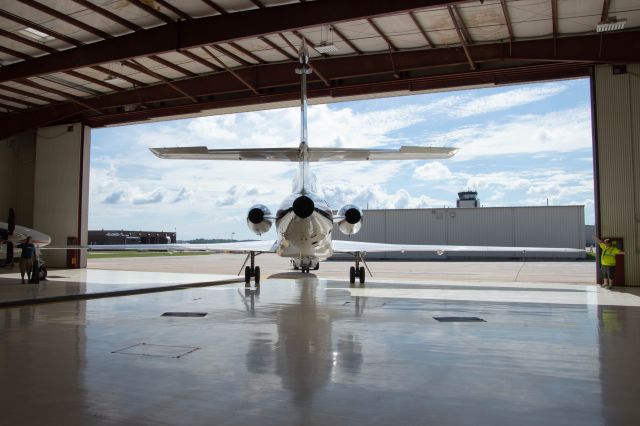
x: 303, y: 353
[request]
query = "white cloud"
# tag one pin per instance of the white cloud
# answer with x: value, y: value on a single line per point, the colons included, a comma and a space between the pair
x: 558, y: 131
x: 432, y: 171
x: 375, y: 197
x: 467, y: 106
x: 236, y: 195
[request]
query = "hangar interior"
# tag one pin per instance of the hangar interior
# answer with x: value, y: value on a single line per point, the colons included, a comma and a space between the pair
x: 72, y: 65
x: 303, y: 350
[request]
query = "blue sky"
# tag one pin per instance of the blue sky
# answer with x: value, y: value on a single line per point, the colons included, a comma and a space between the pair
x: 519, y: 145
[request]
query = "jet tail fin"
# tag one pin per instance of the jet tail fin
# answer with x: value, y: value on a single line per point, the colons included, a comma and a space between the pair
x: 313, y: 154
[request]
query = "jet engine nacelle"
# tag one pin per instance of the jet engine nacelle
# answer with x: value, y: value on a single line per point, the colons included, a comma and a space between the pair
x: 351, y: 221
x: 259, y: 219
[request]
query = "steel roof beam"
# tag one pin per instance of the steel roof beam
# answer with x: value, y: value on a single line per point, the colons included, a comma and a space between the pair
x: 107, y: 14
x: 596, y: 48
x: 10, y: 108
x: 215, y: 7
x: 507, y: 18
x: 422, y: 30
x: 382, y: 34
x: 307, y: 42
x: 74, y: 99
x: 211, y: 30
x: 311, y: 65
x: 346, y: 40
x: 605, y: 11
x: 174, y: 9
x: 554, y: 17
x: 139, y: 67
x: 458, y: 25
x: 18, y: 101
x: 231, y: 55
x: 200, y: 60
x: 42, y: 29
x: 467, y: 78
x: 247, y: 52
x: 57, y: 14
x: 232, y: 72
x: 25, y: 93
x: 277, y: 48
x: 151, y: 11
x: 45, y: 48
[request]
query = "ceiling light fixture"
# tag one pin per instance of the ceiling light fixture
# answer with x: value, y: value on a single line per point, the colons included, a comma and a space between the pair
x: 326, y: 48
x: 612, y: 24
x: 113, y: 79
x: 35, y: 34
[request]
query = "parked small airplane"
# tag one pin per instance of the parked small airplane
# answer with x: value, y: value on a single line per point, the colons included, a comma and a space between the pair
x: 12, y: 234
x: 304, y: 221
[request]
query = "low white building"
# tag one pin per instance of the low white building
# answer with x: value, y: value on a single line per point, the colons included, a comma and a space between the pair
x: 543, y: 226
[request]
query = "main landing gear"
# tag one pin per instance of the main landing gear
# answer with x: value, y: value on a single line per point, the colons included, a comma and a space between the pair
x: 358, y: 271
x: 251, y: 271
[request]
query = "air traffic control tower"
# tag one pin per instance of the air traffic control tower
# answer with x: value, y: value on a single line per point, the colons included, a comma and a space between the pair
x: 468, y: 199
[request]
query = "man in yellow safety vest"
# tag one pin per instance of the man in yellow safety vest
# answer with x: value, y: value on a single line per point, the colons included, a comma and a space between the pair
x: 607, y: 260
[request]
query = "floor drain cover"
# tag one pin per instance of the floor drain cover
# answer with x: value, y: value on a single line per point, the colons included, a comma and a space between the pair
x: 184, y: 314
x: 163, y: 351
x: 459, y: 319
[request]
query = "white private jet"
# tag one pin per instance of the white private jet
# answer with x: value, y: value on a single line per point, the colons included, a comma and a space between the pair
x: 304, y: 221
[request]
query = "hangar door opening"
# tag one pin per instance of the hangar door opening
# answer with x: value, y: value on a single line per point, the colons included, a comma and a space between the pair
x: 523, y: 175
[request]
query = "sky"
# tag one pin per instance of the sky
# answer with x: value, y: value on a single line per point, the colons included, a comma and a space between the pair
x: 519, y: 145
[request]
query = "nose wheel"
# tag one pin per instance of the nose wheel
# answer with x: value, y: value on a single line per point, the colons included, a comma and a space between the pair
x: 251, y: 271
x: 357, y: 271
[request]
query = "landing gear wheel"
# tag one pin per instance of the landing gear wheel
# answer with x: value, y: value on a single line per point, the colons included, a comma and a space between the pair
x: 361, y: 274
x: 256, y: 274
x: 247, y: 275
x: 317, y: 266
x: 352, y: 274
x: 43, y: 272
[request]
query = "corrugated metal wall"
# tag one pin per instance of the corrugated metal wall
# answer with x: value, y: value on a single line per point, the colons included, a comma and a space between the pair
x: 553, y: 226
x: 617, y: 109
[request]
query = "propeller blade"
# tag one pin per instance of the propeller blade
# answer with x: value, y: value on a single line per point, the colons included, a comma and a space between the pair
x: 11, y: 221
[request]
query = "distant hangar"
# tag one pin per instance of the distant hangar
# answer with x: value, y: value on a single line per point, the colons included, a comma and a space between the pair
x: 527, y: 226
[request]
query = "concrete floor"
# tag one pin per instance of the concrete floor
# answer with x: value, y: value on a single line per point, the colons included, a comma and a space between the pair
x: 304, y: 350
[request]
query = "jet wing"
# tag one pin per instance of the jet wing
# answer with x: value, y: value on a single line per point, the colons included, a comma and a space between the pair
x: 239, y: 247
x: 314, y: 154
x: 248, y: 154
x: 404, y: 153
x: 354, y: 246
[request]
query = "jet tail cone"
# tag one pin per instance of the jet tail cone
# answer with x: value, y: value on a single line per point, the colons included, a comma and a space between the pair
x: 303, y: 207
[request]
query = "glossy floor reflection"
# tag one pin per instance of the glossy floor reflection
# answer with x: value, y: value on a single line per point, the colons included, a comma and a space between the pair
x: 309, y: 351
x: 66, y: 284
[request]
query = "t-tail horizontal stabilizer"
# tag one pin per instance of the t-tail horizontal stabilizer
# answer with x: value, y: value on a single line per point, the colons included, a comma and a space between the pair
x: 313, y: 154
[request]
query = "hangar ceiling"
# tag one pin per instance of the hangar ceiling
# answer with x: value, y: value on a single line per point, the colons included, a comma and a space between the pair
x: 109, y: 62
